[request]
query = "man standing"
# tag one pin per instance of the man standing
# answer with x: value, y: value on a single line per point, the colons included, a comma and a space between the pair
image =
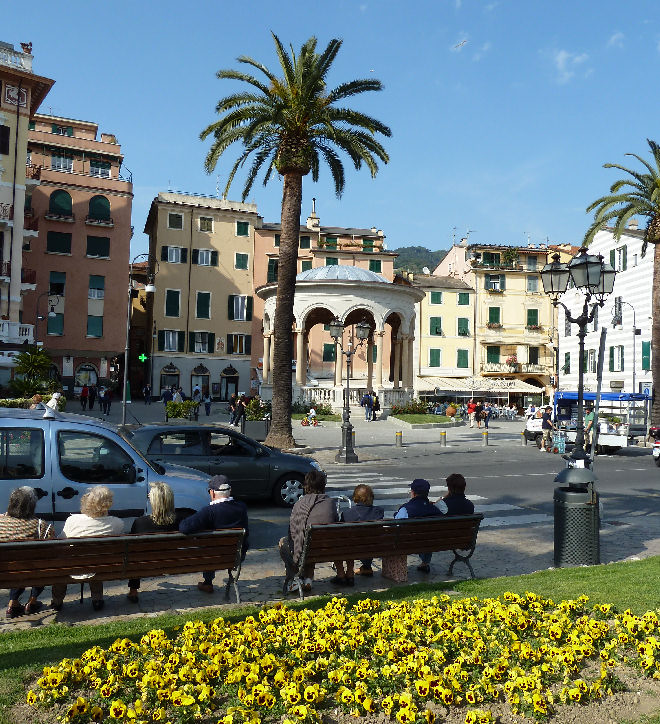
x: 222, y: 512
x: 472, y: 411
x: 146, y: 391
x: 367, y: 402
x: 419, y: 506
x: 588, y: 427
x: 547, y: 427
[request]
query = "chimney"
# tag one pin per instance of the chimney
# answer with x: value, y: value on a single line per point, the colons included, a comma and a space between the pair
x: 313, y: 221
x: 464, y: 241
x: 633, y: 225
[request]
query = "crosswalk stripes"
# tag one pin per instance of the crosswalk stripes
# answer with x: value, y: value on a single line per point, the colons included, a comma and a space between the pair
x: 390, y: 492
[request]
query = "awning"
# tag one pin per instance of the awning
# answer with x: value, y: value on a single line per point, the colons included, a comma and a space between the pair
x: 475, y: 384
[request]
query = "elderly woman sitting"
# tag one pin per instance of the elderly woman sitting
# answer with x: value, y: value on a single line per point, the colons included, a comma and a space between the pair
x: 92, y: 520
x: 20, y: 524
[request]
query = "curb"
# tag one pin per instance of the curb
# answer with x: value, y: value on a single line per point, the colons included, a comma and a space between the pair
x: 426, y: 425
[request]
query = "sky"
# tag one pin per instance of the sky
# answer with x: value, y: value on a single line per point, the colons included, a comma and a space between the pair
x: 502, y: 112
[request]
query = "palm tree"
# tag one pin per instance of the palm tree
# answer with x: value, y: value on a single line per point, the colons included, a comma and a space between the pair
x: 289, y: 124
x: 638, y: 195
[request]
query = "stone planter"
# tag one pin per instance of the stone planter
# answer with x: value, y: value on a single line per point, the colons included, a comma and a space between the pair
x: 256, y: 429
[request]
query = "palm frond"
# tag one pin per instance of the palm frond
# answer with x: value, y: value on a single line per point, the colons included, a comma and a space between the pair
x: 352, y: 88
x: 244, y: 77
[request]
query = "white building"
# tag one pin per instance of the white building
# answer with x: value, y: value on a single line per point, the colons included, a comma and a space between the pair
x: 626, y: 315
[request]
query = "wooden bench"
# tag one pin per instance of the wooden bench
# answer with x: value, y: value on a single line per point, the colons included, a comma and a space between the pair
x: 386, y: 538
x: 115, y: 558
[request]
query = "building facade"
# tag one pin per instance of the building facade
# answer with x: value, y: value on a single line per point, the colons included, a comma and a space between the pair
x: 203, y: 249
x: 21, y: 93
x: 81, y: 211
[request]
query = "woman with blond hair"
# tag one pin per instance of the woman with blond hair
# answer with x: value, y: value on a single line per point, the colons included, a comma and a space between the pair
x: 163, y: 518
x: 92, y: 520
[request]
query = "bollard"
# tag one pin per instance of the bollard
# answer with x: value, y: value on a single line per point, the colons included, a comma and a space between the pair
x: 484, y: 438
x: 523, y: 439
x: 443, y: 438
x: 353, y: 438
x: 398, y: 439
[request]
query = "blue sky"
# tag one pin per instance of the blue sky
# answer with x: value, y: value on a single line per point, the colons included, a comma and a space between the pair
x: 503, y: 112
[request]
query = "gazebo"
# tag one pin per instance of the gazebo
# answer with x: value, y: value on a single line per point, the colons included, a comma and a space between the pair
x: 352, y: 295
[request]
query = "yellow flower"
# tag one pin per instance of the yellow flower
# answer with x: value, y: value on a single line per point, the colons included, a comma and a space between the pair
x: 117, y: 709
x: 96, y: 714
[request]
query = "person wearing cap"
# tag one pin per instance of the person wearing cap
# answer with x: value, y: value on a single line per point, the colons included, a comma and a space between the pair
x: 222, y: 512
x: 419, y: 506
x: 588, y: 427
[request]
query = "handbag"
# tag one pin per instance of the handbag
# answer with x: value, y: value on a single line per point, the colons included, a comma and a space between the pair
x: 395, y: 568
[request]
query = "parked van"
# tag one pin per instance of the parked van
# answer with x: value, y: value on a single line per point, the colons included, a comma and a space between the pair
x: 62, y: 455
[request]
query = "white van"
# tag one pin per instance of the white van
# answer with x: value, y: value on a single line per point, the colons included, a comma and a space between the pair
x: 62, y: 455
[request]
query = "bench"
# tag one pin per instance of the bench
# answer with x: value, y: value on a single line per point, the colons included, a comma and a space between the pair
x: 386, y: 538
x: 115, y: 558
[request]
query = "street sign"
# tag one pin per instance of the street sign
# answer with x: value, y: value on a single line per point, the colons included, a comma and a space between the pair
x: 646, y: 388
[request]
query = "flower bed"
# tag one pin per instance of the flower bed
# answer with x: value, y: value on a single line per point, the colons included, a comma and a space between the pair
x: 409, y: 661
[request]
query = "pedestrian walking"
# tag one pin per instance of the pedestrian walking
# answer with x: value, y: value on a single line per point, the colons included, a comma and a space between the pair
x: 478, y: 414
x: 178, y: 397
x: 547, y: 427
x: 488, y: 411
x: 84, y: 397
x: 93, y: 394
x: 376, y: 408
x: 231, y: 405
x: 146, y: 393
x: 108, y: 400
x: 207, y: 403
x: 472, y: 411
x: 367, y: 402
x: 240, y: 411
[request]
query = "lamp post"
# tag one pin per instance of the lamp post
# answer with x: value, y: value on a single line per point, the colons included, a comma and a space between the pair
x: 150, y: 287
x: 634, y: 342
x: 347, y: 453
x: 51, y: 312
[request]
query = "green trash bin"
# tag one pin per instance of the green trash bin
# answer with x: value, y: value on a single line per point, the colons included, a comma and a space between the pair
x: 577, y: 519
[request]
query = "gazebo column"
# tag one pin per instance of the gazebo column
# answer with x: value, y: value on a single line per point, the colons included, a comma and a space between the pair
x: 272, y: 352
x: 266, y: 359
x: 411, y: 363
x: 379, y: 359
x: 370, y: 363
x: 405, y: 362
x: 338, y: 366
x: 301, y: 362
x: 397, y: 362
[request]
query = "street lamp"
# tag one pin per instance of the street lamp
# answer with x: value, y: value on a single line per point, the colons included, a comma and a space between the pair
x: 346, y: 453
x: 150, y: 288
x: 51, y: 312
x: 634, y: 341
x: 595, y: 279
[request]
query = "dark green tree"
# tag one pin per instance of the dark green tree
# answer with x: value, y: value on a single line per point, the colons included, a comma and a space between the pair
x: 291, y: 123
x: 33, y: 369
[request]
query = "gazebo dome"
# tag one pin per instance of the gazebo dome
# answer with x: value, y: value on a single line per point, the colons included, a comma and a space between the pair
x: 339, y: 272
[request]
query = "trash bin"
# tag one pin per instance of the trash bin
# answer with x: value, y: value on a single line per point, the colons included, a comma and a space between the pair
x: 577, y: 519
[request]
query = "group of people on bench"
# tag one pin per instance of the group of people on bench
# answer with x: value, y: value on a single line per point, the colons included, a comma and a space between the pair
x: 313, y: 508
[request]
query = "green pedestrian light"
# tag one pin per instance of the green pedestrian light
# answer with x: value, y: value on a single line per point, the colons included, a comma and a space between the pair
x: 143, y: 357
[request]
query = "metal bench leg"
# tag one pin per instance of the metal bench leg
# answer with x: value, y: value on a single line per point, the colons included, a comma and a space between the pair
x: 463, y: 559
x: 233, y: 579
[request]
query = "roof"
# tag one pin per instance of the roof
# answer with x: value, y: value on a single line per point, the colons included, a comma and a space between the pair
x: 428, y: 280
x: 476, y: 384
x: 340, y: 272
x: 338, y: 230
x: 531, y: 248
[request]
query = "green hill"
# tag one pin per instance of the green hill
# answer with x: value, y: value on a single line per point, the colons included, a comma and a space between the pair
x: 415, y: 258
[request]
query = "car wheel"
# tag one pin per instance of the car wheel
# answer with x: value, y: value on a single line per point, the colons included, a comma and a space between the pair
x: 288, y: 489
x: 539, y: 441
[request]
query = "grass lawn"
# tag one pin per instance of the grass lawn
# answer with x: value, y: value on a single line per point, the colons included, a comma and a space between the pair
x: 421, y: 419
x: 320, y: 418
x: 626, y: 585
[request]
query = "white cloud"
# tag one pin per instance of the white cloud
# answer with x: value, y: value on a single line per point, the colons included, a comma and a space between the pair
x: 490, y: 7
x: 481, y: 52
x: 567, y: 64
x: 616, y: 40
x: 363, y: 8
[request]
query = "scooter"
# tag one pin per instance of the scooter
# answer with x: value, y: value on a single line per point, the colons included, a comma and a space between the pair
x: 654, y: 432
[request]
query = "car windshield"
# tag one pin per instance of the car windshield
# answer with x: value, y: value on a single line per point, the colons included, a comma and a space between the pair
x: 126, y: 436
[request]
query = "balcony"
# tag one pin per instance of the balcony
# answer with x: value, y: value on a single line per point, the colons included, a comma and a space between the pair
x: 68, y: 218
x: 32, y: 175
x: 495, y: 290
x: 5, y: 271
x: 93, y: 221
x: 14, y: 59
x: 500, y: 368
x: 16, y: 333
x: 30, y: 224
x: 6, y: 212
x: 535, y: 369
x: 534, y: 328
x: 28, y: 276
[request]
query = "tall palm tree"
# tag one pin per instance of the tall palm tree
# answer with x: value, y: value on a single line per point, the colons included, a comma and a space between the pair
x: 289, y: 123
x: 638, y: 195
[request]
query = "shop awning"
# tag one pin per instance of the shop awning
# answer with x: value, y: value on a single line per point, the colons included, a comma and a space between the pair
x: 475, y: 385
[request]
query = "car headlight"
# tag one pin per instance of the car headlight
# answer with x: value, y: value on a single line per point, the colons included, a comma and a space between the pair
x: 316, y: 466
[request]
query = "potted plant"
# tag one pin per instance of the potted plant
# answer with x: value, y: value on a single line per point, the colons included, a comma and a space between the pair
x: 257, y: 419
x: 512, y: 360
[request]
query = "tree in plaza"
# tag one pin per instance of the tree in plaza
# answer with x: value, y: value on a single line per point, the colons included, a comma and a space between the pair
x: 291, y: 123
x: 33, y: 369
x: 637, y: 195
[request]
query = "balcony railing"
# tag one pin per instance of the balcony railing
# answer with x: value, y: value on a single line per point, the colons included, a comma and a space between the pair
x: 500, y: 367
x: 14, y: 59
x: 6, y: 212
x: 5, y: 269
x: 30, y: 222
x: 69, y: 218
x: 534, y: 328
x: 93, y: 221
x: 16, y: 333
x: 28, y: 276
x: 32, y: 172
x: 535, y: 369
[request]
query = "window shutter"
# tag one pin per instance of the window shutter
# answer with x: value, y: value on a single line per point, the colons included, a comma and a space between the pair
x: 163, y: 253
x: 4, y: 140
x: 463, y: 326
x: 486, y: 281
x: 214, y: 258
x: 191, y: 341
x: 54, y: 128
x: 434, y: 358
x: 181, y: 346
x: 184, y: 255
x: 611, y: 359
x: 161, y: 340
x: 502, y: 282
x: 211, y: 338
x: 248, y: 344
x: 230, y: 344
x: 248, y: 309
x: 612, y: 258
x: 69, y: 130
x: 230, y: 306
x: 532, y: 317
x: 462, y: 358
x: 625, y: 259
x: 646, y: 356
x: 494, y: 315
x: 623, y: 350
x: 195, y: 256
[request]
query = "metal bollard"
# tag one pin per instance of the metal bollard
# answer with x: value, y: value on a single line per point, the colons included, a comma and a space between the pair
x: 484, y: 438
x: 523, y: 439
x: 398, y: 439
x: 443, y: 438
x: 353, y: 438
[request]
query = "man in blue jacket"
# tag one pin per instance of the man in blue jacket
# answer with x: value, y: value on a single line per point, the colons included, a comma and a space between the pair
x: 419, y: 506
x: 222, y: 512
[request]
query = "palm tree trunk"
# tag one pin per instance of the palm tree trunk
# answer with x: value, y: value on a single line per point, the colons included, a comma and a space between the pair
x: 655, y: 335
x: 281, y: 434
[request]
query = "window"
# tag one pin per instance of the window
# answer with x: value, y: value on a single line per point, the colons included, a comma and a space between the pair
x: 170, y: 341
x: 203, y: 305
x: 375, y: 265
x: 617, y: 314
x: 62, y: 130
x: 204, y: 257
x: 187, y: 442
x: 241, y: 261
x: 463, y: 299
x: 591, y: 360
x: 271, y: 275
x: 532, y: 284
x: 331, y: 261
x: 59, y: 203
x: 98, y: 246
x: 239, y: 308
x: 174, y: 221
x: 493, y: 355
x: 566, y: 369
x: 206, y: 223
x: 435, y: 327
x: 4, y: 140
x: 619, y: 258
x: 88, y: 458
x: 239, y: 343
x: 329, y: 352
x: 330, y: 242
x: 201, y: 342
x: 567, y: 327
x: 533, y: 355
x: 58, y: 243
x: 305, y: 242
x: 101, y: 169
x: 367, y: 244
x: 435, y: 357
x: 55, y: 324
x: 490, y: 259
x: 305, y: 264
x: 646, y: 356
x: 277, y: 239
x: 61, y: 163
x: 494, y: 315
x: 495, y: 282
x: 462, y: 359
x: 531, y: 263
x: 57, y: 283
x: 174, y: 254
x: 616, y: 358
x: 463, y: 327
x: 436, y: 297
x: 94, y: 326
x: 99, y: 208
x: 532, y: 317
x: 96, y: 287
x: 22, y: 453
x: 634, y: 260
x: 242, y: 228
x: 172, y: 302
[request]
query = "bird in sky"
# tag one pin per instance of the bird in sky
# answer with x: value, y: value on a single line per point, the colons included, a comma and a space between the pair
x: 461, y: 44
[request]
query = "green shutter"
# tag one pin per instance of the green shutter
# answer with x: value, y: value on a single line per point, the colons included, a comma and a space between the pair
x: 203, y: 310
x: 195, y: 256
x: 248, y: 344
x: 191, y: 341
x: 331, y: 261
x: 434, y: 358
x: 612, y: 258
x: 532, y: 317
x: 493, y: 315
x: 181, y: 346
x: 69, y: 130
x: 242, y: 228
x: 330, y: 242
x: 184, y: 255
x: 94, y: 326
x: 96, y: 281
x: 98, y: 246
x: 436, y: 297
x: 230, y: 344
x: 305, y: 242
x: 99, y: 208
x: 272, y: 270
x: 623, y: 353
x: 241, y: 261
x: 463, y: 299
x: 493, y: 355
x: 57, y: 283
x: 277, y: 239
x: 214, y: 258
x: 172, y: 298
x: 230, y: 306
x: 502, y: 282
x: 486, y: 281
x: 375, y: 265
x: 305, y: 264
x: 211, y: 343
x: 329, y: 352
x: 374, y: 353
x: 248, y: 309
x: 436, y: 326
x: 163, y: 253
x: 624, y: 265
x: 567, y: 363
x: 161, y: 340
x: 60, y: 203
x: 462, y: 358
x: 611, y: 359
x: 646, y: 356
x: 58, y: 242
x: 55, y: 325
x: 463, y: 327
